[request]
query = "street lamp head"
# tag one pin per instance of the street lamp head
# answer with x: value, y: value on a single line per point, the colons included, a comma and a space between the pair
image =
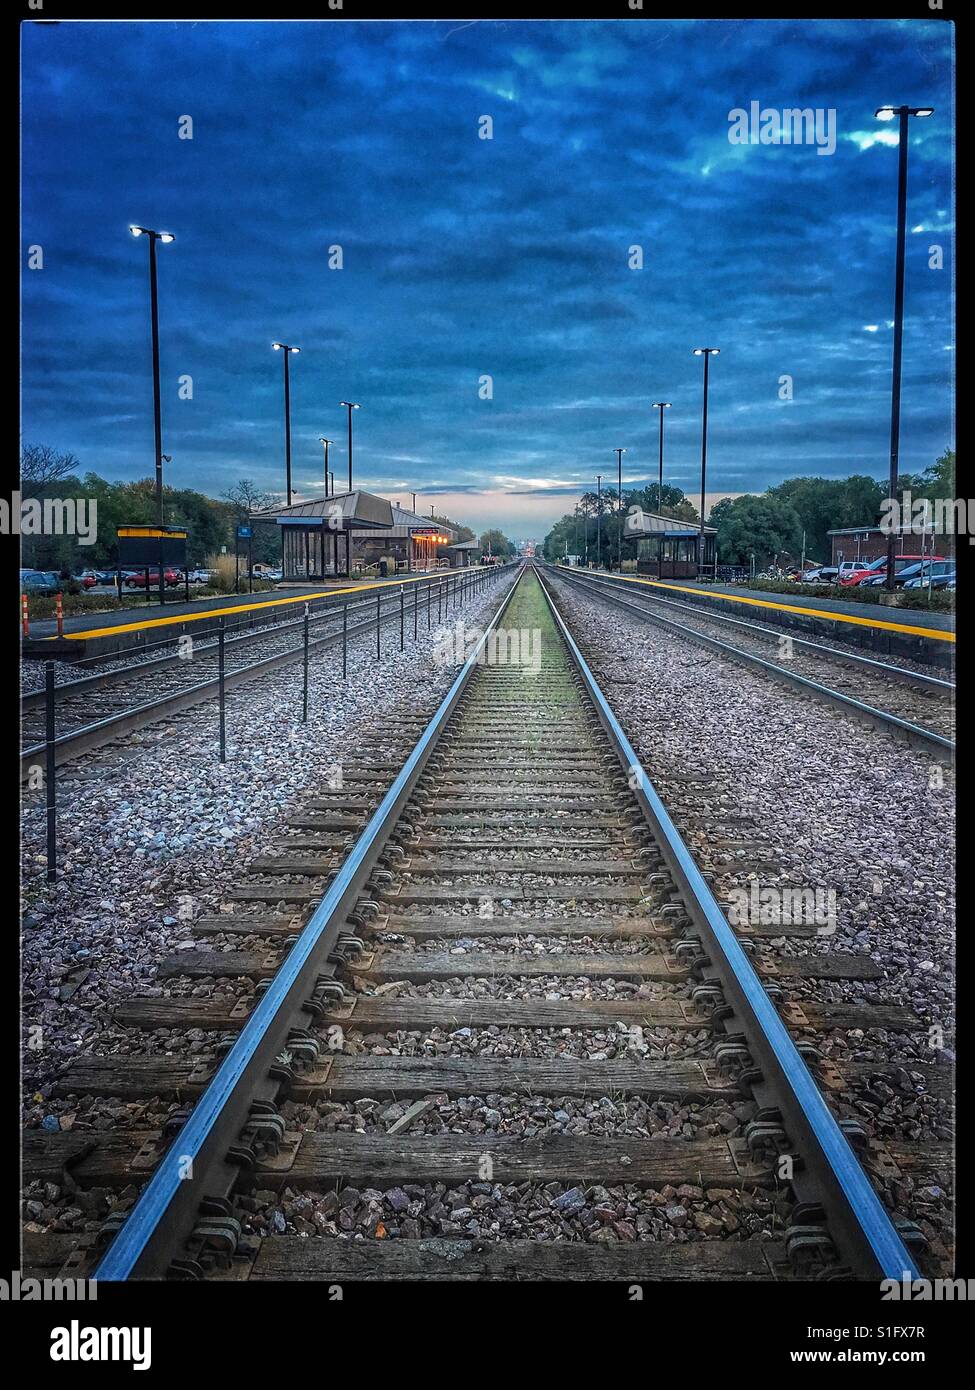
x: 147, y: 231
x: 664, y: 405
x: 887, y: 113
x: 699, y: 352
x: 293, y: 349
x: 353, y: 405
x: 277, y: 346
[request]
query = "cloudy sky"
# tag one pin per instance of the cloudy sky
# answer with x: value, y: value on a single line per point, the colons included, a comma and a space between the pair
x: 466, y: 258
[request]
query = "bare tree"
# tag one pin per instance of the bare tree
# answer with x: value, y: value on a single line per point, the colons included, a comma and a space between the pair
x: 247, y: 497
x: 41, y: 467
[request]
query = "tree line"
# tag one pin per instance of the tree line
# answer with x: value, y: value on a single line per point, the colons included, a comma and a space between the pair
x: 776, y: 526
x: 210, y: 522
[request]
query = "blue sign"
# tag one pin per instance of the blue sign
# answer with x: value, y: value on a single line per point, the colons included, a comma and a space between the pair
x: 244, y: 532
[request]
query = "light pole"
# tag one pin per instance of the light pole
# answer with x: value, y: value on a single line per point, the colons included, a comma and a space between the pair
x: 619, y: 505
x: 661, y: 406
x: 326, y: 442
x: 154, y: 317
x: 707, y: 353
x: 287, y: 349
x: 903, y: 114
x: 599, y: 515
x: 350, y: 405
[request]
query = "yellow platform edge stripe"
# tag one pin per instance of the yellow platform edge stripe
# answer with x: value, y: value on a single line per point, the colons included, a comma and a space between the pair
x: 937, y: 634
x: 240, y: 608
x: 147, y: 533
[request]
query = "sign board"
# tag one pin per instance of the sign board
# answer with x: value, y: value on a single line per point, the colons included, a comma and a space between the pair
x: 244, y: 532
x: 141, y: 546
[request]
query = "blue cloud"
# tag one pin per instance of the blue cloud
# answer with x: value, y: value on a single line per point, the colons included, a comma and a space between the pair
x: 466, y: 258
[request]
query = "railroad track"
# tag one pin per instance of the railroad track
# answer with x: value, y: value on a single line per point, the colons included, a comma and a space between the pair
x: 914, y: 704
x: 487, y: 1020
x: 98, y: 708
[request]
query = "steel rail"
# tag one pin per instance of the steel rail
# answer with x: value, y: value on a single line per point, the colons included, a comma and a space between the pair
x: 206, y: 640
x: 897, y: 673
x: 87, y: 737
x: 915, y: 733
x: 205, y: 644
x: 857, y: 1221
x: 165, y: 1214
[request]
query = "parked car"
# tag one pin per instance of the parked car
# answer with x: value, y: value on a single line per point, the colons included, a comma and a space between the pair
x: 879, y: 566
x: 920, y: 570
x: 849, y: 568
x: 137, y: 578
x: 823, y: 574
x: 41, y: 582
x: 266, y: 572
x: 941, y: 578
x: 200, y: 576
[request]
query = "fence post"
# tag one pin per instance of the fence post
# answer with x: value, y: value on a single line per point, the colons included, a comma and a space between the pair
x: 304, y: 703
x: 345, y: 638
x: 402, y: 601
x: 416, y: 600
x: 379, y: 599
x: 429, y: 601
x: 59, y: 610
x: 50, y: 776
x: 221, y: 693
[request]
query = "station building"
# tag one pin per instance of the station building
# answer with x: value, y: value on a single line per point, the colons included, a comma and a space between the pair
x: 414, y: 542
x: 870, y: 542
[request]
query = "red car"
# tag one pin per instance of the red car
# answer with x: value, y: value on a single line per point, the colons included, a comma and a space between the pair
x: 877, y: 568
x: 137, y: 579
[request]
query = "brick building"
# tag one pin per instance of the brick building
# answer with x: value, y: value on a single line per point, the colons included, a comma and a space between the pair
x: 869, y: 542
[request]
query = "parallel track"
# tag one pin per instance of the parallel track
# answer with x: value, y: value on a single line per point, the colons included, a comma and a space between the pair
x: 117, y: 698
x: 522, y: 826
x: 933, y: 692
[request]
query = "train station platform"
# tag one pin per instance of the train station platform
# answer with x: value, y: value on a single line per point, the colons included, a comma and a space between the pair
x: 913, y: 633
x: 118, y: 630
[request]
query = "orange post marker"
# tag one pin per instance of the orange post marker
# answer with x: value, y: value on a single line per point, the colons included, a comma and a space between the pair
x: 60, y: 615
x: 25, y: 620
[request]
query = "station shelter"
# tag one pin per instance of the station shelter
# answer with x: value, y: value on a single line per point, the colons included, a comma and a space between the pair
x: 463, y: 554
x: 668, y: 549
x: 317, y: 537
